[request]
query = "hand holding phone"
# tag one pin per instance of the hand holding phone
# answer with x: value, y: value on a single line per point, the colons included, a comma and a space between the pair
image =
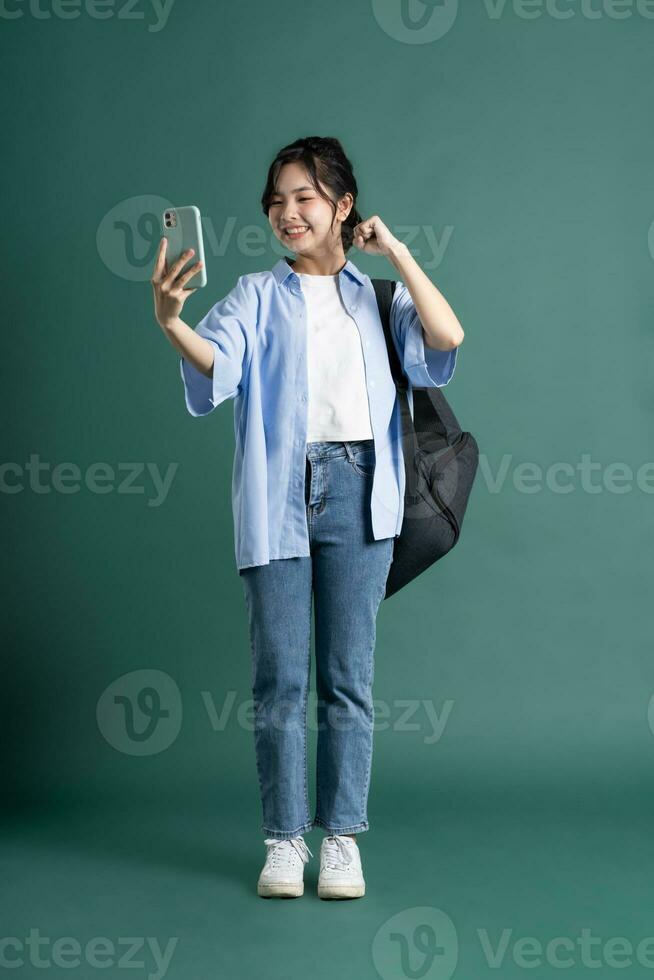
x: 173, y: 273
x: 168, y: 285
x: 182, y: 227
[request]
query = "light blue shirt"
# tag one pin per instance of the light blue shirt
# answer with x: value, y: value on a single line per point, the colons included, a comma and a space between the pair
x: 259, y: 331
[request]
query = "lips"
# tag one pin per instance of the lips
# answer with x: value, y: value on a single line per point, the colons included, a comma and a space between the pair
x: 295, y: 231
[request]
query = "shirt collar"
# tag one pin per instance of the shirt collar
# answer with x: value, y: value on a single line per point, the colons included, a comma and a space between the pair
x: 282, y: 270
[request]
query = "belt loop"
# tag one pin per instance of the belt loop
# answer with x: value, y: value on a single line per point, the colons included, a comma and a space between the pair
x: 348, y: 450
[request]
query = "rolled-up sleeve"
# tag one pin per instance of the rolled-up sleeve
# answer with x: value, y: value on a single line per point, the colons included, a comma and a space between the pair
x: 424, y: 366
x: 230, y: 326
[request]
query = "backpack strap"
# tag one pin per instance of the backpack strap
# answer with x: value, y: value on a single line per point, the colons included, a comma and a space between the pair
x: 384, y: 291
x: 431, y: 411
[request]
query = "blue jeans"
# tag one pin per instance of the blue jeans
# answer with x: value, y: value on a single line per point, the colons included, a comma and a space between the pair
x: 346, y: 572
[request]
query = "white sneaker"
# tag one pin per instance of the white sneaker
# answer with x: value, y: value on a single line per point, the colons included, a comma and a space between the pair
x: 341, y: 875
x: 282, y: 875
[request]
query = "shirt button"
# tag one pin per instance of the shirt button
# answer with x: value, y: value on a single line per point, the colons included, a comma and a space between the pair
x: 303, y: 397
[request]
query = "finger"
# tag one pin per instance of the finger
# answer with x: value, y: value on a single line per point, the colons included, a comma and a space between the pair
x: 181, y: 262
x: 178, y: 265
x: 188, y: 292
x: 160, y: 261
x: 189, y: 274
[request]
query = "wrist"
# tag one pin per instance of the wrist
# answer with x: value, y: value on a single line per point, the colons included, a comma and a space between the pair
x: 397, y: 253
x: 171, y: 325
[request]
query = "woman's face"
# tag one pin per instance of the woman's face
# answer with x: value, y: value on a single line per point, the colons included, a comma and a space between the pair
x: 297, y: 205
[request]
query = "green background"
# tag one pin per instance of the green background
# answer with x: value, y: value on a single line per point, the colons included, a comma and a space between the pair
x: 527, y: 141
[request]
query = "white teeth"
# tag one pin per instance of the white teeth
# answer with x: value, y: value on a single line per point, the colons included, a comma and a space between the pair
x: 297, y: 231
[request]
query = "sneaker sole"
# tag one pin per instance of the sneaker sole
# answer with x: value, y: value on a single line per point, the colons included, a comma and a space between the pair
x: 280, y: 889
x: 341, y: 891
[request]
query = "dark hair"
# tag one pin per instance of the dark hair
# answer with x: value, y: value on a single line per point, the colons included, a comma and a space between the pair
x: 325, y: 160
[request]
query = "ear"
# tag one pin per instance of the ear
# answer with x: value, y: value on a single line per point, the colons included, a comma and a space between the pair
x: 346, y: 204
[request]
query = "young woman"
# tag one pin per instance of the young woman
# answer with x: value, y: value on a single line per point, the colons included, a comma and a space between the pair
x: 318, y: 484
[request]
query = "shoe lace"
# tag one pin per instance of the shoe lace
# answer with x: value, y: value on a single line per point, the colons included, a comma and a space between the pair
x: 338, y: 852
x: 284, y: 853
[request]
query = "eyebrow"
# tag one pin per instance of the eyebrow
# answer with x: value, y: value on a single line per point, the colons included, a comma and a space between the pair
x: 294, y: 191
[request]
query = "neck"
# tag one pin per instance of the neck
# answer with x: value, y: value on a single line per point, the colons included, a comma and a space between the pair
x: 319, y: 265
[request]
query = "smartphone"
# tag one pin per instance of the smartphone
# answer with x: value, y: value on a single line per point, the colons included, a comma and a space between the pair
x: 183, y: 229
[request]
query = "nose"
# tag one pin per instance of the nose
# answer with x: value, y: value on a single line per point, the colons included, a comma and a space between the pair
x: 288, y: 216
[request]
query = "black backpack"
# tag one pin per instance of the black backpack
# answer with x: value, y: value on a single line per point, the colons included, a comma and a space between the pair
x: 440, y: 462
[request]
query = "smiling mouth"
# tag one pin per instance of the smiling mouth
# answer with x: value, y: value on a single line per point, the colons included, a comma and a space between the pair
x: 296, y: 232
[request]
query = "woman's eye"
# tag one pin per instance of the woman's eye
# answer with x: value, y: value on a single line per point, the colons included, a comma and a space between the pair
x: 273, y: 204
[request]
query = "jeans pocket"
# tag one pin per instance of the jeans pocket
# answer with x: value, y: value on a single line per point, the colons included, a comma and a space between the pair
x: 363, y: 462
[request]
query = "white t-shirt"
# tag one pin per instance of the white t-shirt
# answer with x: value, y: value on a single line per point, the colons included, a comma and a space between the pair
x: 338, y: 395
